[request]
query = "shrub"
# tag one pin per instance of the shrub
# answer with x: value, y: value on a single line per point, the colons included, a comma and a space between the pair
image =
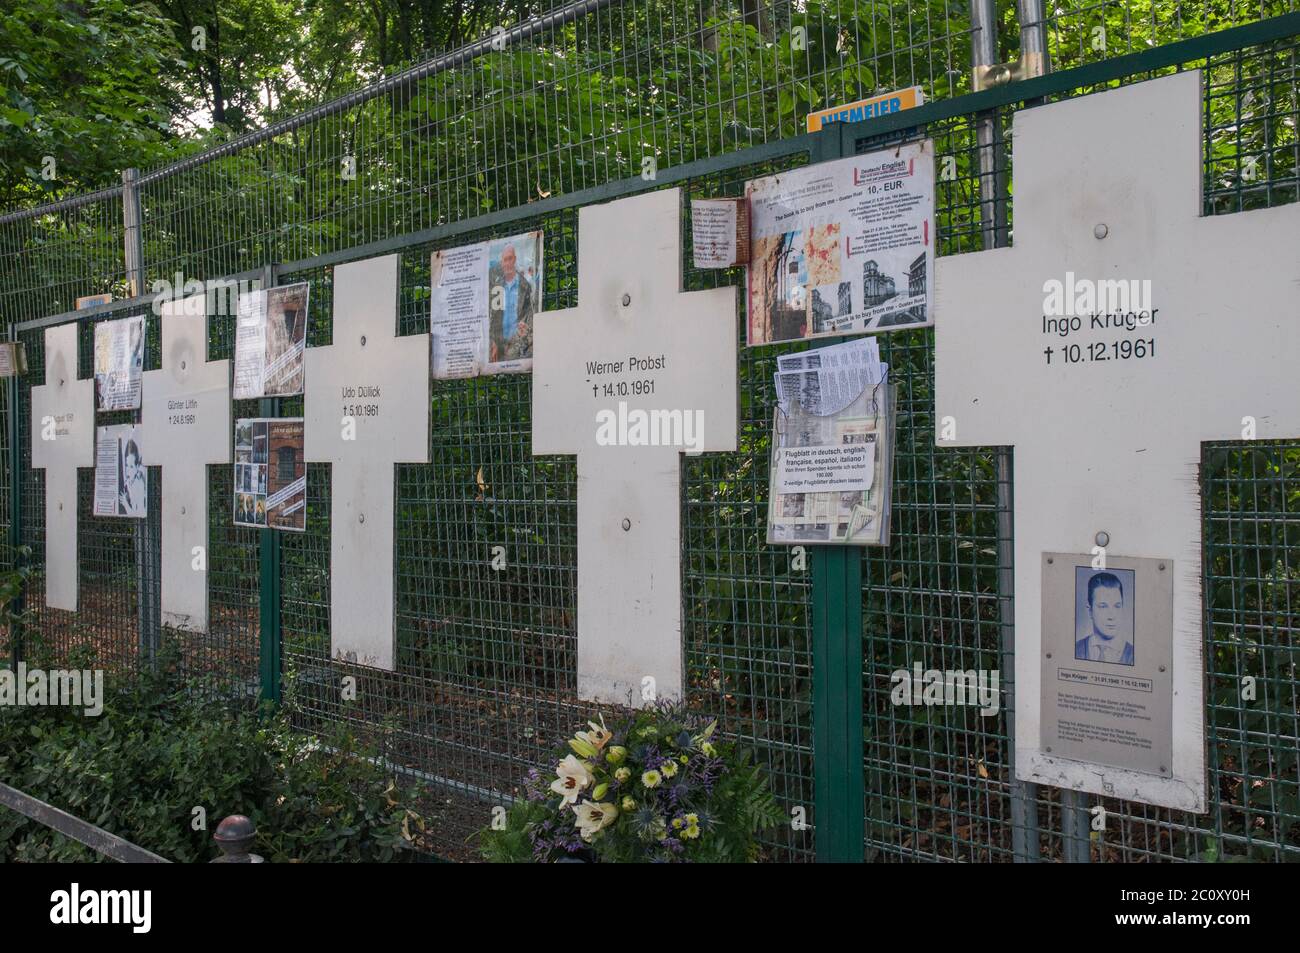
x: 155, y: 754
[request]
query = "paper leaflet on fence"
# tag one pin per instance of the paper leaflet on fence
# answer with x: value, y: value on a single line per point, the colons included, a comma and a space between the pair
x: 832, y: 447
x: 119, y: 362
x: 270, y: 473
x: 270, y: 342
x: 121, y: 482
x: 483, y: 298
x: 842, y: 247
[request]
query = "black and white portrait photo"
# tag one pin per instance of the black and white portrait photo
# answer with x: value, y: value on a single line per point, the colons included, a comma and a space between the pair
x: 133, y: 483
x: 1103, y: 615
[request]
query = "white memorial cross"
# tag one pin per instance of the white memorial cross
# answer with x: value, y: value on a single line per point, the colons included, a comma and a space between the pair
x: 366, y: 409
x: 185, y: 424
x: 1108, y: 187
x: 663, y: 351
x: 63, y: 439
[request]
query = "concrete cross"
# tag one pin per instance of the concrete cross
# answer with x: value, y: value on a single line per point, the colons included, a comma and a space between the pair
x: 1107, y: 432
x: 185, y: 421
x: 63, y: 439
x: 612, y: 378
x: 366, y: 408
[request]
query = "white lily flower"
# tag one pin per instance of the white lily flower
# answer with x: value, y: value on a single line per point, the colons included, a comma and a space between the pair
x: 572, y: 778
x: 593, y: 818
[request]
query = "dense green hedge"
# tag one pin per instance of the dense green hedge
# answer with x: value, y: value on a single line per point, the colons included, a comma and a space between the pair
x: 141, y: 768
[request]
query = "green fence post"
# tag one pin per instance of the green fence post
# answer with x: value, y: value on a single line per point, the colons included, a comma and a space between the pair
x: 15, y: 514
x: 839, y: 789
x: 269, y: 566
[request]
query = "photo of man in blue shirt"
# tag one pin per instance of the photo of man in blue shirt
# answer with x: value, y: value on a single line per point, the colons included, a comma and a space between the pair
x: 512, y: 301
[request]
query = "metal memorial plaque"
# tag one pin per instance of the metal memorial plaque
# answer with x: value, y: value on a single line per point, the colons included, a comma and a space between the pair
x: 63, y: 439
x: 1108, y: 635
x: 185, y: 418
x: 366, y: 408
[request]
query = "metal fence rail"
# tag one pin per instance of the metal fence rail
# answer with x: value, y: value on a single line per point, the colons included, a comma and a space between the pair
x: 481, y: 145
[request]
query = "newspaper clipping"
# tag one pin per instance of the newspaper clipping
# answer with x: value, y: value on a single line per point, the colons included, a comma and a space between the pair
x: 843, y: 247
x: 483, y: 302
x: 270, y: 474
x: 121, y: 480
x: 119, y: 362
x: 271, y: 342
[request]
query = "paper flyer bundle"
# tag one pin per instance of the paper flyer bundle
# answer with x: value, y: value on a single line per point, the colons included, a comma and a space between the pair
x: 842, y: 247
x: 271, y: 342
x: 832, y: 448
x: 270, y: 473
x: 484, y: 297
x: 121, y: 480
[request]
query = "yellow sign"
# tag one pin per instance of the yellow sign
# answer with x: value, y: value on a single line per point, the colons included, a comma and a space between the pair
x: 881, y: 105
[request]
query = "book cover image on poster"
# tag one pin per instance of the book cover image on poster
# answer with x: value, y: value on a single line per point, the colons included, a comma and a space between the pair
x: 119, y: 363
x: 483, y: 302
x: 271, y: 342
x: 843, y: 247
x: 121, y: 480
x: 270, y: 474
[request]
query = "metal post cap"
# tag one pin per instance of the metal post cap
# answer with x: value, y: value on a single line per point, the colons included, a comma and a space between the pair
x: 235, y: 835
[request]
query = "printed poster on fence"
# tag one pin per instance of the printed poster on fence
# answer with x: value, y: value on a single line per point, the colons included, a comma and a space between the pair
x: 121, y: 481
x: 271, y: 342
x: 119, y: 363
x: 270, y: 474
x: 844, y: 247
x: 483, y: 302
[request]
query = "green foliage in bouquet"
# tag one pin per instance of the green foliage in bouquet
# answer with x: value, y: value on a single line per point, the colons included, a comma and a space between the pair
x: 656, y: 787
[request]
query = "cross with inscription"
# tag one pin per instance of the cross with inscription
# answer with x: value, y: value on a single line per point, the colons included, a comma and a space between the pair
x: 1107, y: 415
x: 185, y: 424
x: 366, y: 408
x: 63, y: 439
x: 615, y: 381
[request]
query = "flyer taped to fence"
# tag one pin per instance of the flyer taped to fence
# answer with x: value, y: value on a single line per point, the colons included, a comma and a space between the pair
x: 843, y: 247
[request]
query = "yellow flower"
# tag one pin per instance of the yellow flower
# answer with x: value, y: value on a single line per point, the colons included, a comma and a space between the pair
x: 708, y: 749
x: 683, y: 759
x: 616, y: 754
x: 677, y: 823
x: 592, y: 818
x: 693, y: 820
x: 692, y: 831
x: 669, y: 769
x: 651, y: 779
x: 622, y: 774
x: 628, y: 805
x: 572, y: 778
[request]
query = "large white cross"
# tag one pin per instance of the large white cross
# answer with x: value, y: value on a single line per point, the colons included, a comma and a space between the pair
x: 366, y: 408
x: 631, y: 308
x: 63, y: 439
x: 1108, y: 186
x: 185, y: 419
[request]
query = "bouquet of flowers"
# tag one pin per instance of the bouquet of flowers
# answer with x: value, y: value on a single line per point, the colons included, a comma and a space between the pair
x: 656, y: 787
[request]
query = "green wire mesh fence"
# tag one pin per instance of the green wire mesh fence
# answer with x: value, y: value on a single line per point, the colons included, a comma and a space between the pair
x: 485, y: 677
